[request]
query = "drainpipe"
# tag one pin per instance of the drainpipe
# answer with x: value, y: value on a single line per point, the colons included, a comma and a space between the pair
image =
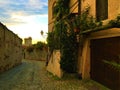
x: 79, y: 13
x: 79, y: 7
x: 80, y: 43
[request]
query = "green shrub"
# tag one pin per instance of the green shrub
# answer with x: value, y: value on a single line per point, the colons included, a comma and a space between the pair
x: 116, y: 22
x: 30, y: 49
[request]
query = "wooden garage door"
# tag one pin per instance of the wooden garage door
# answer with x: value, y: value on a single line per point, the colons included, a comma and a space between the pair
x: 105, y: 49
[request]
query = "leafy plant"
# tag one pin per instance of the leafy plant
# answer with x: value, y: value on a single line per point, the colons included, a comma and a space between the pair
x: 40, y: 45
x: 68, y: 58
x: 53, y: 41
x: 50, y: 40
x: 63, y: 37
x: 116, y: 22
x: 87, y: 21
x: 61, y: 8
x: 30, y: 49
x: 113, y: 64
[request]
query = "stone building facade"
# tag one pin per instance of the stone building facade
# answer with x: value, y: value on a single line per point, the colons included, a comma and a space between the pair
x: 101, y: 45
x: 10, y: 49
x: 28, y: 41
x: 104, y: 10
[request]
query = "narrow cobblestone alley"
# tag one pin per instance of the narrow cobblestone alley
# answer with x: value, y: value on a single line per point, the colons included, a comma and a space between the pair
x: 31, y: 75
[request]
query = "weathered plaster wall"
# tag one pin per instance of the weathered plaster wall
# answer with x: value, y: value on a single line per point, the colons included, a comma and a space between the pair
x: 10, y: 49
x: 84, y: 55
x: 73, y: 6
x: 54, y: 64
x: 113, y: 8
x: 91, y: 4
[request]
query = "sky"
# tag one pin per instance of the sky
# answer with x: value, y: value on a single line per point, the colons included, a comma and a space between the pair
x: 26, y: 18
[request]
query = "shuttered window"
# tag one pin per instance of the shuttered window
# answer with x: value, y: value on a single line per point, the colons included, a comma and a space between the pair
x: 101, y: 9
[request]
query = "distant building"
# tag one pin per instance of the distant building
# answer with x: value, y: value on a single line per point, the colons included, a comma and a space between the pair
x: 28, y: 41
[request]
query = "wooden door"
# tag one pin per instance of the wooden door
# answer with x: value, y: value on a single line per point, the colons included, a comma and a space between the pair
x: 105, y: 49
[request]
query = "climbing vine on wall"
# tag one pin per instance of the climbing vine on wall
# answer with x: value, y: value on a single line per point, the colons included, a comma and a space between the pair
x: 62, y: 37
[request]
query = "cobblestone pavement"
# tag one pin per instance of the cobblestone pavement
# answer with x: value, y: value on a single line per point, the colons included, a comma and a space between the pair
x: 32, y: 75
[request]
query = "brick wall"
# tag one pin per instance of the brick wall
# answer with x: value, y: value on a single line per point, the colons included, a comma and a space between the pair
x: 10, y: 49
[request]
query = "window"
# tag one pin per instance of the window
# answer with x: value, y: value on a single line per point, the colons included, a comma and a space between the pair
x: 101, y: 9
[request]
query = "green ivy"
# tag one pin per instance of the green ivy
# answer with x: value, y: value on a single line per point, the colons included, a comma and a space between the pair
x: 51, y: 41
x: 69, y: 52
x: 61, y: 8
x: 62, y: 37
x: 87, y: 21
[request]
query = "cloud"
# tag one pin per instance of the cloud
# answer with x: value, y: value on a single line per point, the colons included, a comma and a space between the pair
x: 25, y: 17
x: 37, y: 4
x: 31, y: 27
x: 21, y: 7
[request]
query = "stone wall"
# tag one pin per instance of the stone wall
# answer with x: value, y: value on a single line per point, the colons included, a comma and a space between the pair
x: 10, y: 49
x: 35, y: 55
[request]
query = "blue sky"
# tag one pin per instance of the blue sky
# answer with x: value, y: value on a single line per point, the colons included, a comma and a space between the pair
x: 25, y: 17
